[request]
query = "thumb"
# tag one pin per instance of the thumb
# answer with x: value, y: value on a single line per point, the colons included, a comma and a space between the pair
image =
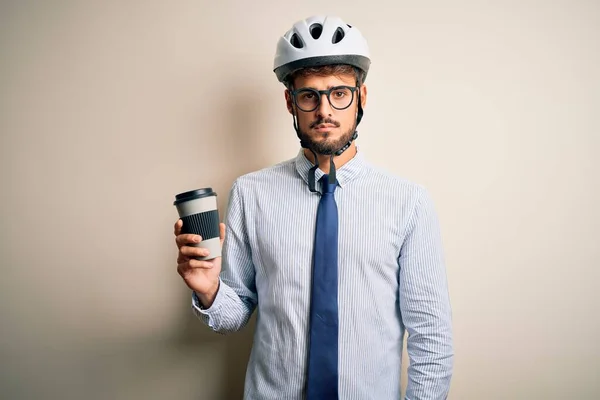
x: 177, y: 227
x: 222, y: 232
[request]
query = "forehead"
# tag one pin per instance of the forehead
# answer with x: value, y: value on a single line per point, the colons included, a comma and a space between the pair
x: 325, y: 81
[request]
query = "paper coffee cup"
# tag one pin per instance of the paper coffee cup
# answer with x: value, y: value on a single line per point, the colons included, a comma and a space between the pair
x: 198, y: 211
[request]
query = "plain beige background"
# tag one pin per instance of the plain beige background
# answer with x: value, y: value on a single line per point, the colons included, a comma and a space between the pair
x: 109, y: 108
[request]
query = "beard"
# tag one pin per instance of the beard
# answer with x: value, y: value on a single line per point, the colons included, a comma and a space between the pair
x: 327, y: 145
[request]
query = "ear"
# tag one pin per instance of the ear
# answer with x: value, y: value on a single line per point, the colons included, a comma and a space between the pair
x: 289, y: 102
x: 363, y: 96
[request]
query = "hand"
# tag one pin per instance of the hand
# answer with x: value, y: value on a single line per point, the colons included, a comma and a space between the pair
x: 200, y: 276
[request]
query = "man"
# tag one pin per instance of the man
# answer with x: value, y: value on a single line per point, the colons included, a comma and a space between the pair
x: 338, y: 257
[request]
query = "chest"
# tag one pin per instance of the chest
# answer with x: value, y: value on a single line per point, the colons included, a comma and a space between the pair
x: 282, y: 230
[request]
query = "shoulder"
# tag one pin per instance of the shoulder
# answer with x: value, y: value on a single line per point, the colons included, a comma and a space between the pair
x: 384, y: 181
x: 401, y: 196
x: 264, y: 178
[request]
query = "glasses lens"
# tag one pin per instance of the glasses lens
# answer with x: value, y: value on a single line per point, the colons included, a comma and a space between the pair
x: 340, y: 97
x: 307, y: 99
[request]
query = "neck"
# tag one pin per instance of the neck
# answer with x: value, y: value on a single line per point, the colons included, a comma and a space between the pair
x: 337, y: 160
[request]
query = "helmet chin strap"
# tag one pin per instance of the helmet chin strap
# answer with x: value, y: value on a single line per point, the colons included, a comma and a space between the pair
x: 332, y: 172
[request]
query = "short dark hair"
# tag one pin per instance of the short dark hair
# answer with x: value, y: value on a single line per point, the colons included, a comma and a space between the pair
x: 326, y: 70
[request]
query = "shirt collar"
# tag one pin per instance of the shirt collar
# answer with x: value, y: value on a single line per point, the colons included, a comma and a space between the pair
x: 345, y: 174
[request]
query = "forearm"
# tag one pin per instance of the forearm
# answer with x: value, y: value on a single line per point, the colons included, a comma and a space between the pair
x: 236, y: 296
x: 228, y: 312
x: 431, y: 362
x: 425, y: 306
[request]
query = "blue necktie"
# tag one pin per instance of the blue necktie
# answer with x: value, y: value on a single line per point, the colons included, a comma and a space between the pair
x: 322, y: 377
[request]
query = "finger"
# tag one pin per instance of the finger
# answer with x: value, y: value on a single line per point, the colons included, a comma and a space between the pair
x: 190, y: 251
x: 186, y: 238
x: 200, y: 264
x: 181, y: 259
x: 177, y: 227
x: 183, y: 268
x: 188, y: 267
x: 222, y: 232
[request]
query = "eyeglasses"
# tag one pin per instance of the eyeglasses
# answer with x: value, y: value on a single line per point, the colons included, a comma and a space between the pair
x: 308, y: 99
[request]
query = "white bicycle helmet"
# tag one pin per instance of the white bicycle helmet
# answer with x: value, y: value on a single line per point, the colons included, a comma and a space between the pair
x: 320, y: 40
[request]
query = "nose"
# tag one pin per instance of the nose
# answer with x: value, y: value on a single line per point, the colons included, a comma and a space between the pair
x: 324, y: 109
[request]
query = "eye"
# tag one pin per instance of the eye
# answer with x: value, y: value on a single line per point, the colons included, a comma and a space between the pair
x: 307, y: 95
x: 340, y: 92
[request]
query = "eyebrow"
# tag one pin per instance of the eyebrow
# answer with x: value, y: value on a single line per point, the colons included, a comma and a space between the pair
x: 328, y: 87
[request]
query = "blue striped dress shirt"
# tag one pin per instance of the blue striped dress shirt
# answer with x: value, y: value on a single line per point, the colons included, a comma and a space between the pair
x: 392, y: 279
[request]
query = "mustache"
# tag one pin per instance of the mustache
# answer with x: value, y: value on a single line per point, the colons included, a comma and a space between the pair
x: 324, y: 121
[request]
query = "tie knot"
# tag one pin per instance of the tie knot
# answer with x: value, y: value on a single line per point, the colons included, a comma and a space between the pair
x: 327, y: 187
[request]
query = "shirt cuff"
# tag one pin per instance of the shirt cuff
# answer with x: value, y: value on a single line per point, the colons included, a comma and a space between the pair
x: 197, y: 304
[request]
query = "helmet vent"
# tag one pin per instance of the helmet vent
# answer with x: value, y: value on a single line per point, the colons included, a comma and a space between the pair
x: 296, y: 42
x: 337, y: 36
x: 316, y: 30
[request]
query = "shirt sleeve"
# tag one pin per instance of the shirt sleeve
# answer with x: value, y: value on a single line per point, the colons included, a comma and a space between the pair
x: 425, y: 305
x: 236, y: 297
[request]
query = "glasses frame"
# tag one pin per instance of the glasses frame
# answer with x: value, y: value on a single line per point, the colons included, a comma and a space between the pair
x: 320, y: 93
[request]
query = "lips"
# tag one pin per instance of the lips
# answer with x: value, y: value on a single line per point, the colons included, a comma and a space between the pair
x: 324, y: 127
x: 324, y: 123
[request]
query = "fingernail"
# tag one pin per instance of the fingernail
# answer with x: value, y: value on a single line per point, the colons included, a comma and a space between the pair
x: 206, y: 252
x: 197, y: 238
